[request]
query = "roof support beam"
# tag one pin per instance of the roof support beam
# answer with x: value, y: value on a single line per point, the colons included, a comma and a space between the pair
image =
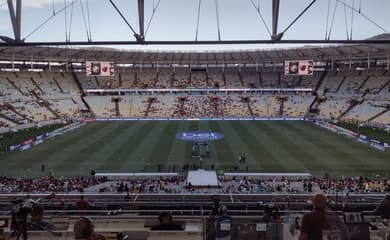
x: 136, y: 35
x: 275, y: 18
x: 16, y: 16
x: 203, y: 42
x: 141, y: 16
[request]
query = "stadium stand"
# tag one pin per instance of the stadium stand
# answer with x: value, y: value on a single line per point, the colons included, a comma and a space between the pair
x: 232, y: 77
x: 365, y: 110
x: 216, y: 77
x: 297, y: 105
x: 348, y: 96
x: 181, y: 77
x: 270, y: 78
x: 146, y: 77
x: 165, y: 77
x: 351, y: 95
x: 338, y: 85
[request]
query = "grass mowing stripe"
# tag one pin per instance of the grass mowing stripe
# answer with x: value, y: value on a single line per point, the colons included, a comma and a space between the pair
x: 362, y: 159
x: 335, y: 147
x: 222, y: 149
x: 192, y: 126
x: 271, y: 147
x: 81, y: 161
x: 207, y: 163
x: 260, y: 140
x: 240, y: 145
x: 297, y: 146
x: 113, y: 143
x: 318, y: 145
x: 161, y: 151
x: 104, y: 148
x: 13, y: 160
x: 50, y: 153
x: 250, y: 145
x: 124, y: 153
x: 178, y: 152
x: 142, y: 154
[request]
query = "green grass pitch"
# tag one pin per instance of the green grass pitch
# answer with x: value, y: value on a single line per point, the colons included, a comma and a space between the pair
x: 135, y: 146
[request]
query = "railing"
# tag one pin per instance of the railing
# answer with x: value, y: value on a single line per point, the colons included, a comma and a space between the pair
x: 267, y: 226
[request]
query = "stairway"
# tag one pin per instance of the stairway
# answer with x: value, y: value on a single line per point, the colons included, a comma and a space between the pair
x: 322, y: 77
x: 156, y: 80
x: 172, y: 79
x: 281, y: 107
x: 377, y: 115
x: 37, y: 86
x: 260, y: 79
x: 352, y: 105
x: 16, y: 87
x: 58, y: 85
x: 250, y: 109
x: 383, y: 87
x: 97, y: 81
x: 240, y: 77
x: 120, y: 79
x: 81, y: 89
x: 116, y: 102
x: 361, y: 85
x: 224, y: 78
x: 150, y: 102
x: 207, y: 79
x: 19, y: 114
x: 314, y: 101
x: 341, y: 83
x: 9, y: 119
x: 48, y: 107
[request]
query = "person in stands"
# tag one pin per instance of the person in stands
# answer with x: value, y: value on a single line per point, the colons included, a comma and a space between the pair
x: 223, y: 224
x: 83, y: 204
x: 166, y: 223
x: 384, y: 208
x: 37, y: 222
x: 321, y: 221
x: 84, y: 229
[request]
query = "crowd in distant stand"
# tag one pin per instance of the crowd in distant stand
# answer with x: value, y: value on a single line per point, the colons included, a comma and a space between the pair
x: 235, y: 185
x: 47, y: 184
x: 354, y: 185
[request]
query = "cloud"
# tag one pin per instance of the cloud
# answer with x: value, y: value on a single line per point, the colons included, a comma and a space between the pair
x: 41, y: 3
x: 35, y: 3
x: 4, y: 27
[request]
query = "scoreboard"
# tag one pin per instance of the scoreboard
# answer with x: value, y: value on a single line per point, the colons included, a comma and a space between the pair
x: 99, y: 69
x: 298, y: 67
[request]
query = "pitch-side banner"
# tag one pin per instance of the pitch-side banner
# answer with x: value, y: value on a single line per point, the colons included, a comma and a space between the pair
x: 99, y: 68
x: 298, y: 67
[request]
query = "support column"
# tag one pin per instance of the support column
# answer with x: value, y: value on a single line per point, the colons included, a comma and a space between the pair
x: 141, y: 11
x: 275, y: 18
x: 16, y: 16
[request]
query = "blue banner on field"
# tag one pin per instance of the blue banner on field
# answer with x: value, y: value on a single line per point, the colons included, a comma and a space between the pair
x: 25, y: 147
x: 199, y: 136
x: 14, y: 147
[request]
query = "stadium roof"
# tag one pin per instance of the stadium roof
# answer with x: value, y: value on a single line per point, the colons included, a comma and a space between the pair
x: 317, y: 53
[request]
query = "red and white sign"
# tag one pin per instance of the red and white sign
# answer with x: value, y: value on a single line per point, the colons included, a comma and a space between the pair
x: 99, y: 69
x: 298, y: 67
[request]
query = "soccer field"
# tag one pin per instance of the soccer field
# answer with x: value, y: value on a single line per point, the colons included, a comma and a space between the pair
x: 135, y: 146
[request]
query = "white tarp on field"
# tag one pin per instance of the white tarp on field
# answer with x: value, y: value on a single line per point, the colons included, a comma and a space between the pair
x: 202, y: 178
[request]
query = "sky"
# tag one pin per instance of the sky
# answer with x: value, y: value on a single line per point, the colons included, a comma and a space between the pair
x: 177, y: 20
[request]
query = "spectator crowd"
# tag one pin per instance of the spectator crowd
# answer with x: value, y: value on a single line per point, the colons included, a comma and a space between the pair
x: 179, y: 184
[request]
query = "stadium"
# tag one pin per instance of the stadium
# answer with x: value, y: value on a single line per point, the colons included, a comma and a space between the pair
x: 165, y: 123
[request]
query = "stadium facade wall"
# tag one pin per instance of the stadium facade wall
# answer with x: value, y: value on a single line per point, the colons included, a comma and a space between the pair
x: 206, y: 119
x: 30, y: 125
x: 358, y: 137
